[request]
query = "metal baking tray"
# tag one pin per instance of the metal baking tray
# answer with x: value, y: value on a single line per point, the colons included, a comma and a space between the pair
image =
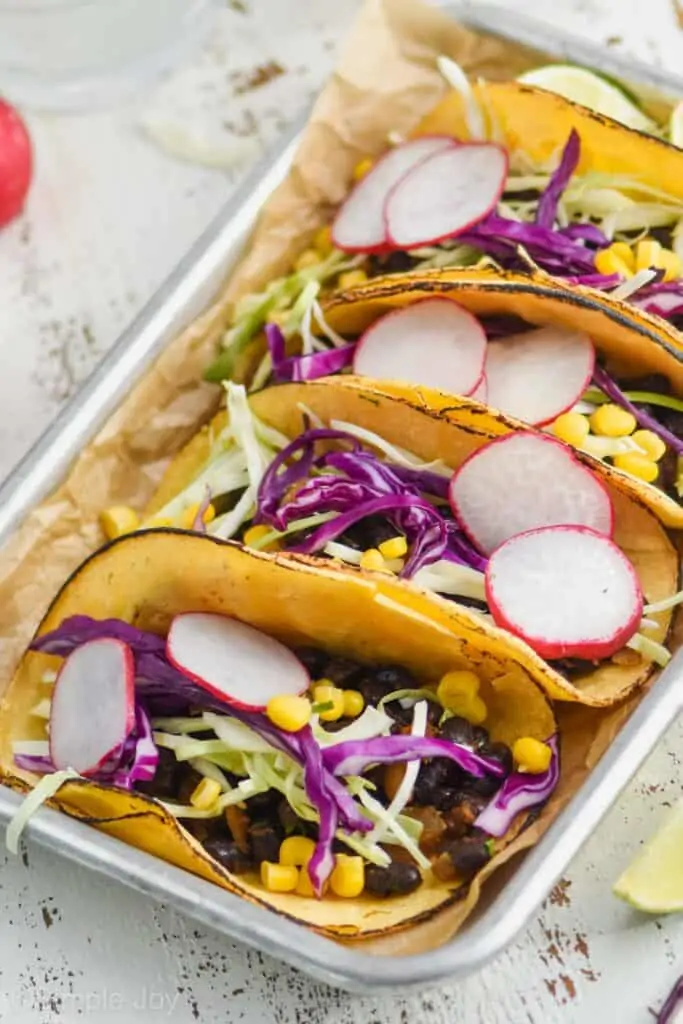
x: 507, y: 909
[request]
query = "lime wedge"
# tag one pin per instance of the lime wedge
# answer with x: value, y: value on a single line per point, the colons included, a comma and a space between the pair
x: 653, y: 882
x: 676, y: 125
x: 590, y: 90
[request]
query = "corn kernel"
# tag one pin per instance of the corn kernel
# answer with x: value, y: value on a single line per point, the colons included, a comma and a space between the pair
x: 304, y: 885
x: 279, y: 877
x: 612, y: 421
x: 322, y: 241
x: 190, y: 514
x: 609, y: 262
x: 118, y: 520
x: 671, y: 265
x: 624, y: 252
x: 652, y: 445
x: 572, y: 428
x: 289, y: 712
x: 472, y: 709
x: 648, y: 252
x: 348, y: 877
x: 205, y: 794
x: 637, y: 465
x: 157, y: 522
x: 457, y: 686
x: 308, y: 258
x: 255, y: 534
x: 372, y: 560
x: 296, y: 851
x: 362, y: 168
x: 325, y: 692
x: 396, y: 547
x: 531, y: 755
x: 353, y: 703
x: 352, y: 278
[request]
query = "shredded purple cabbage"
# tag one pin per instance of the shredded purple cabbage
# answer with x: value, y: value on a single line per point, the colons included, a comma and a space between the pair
x: 38, y: 763
x: 602, y: 380
x: 79, y: 629
x: 546, y: 211
x: 315, y: 782
x: 673, y: 1002
x: 549, y: 248
x: 519, y: 792
x: 305, y: 367
x: 352, y: 757
x: 604, y: 282
x: 586, y: 232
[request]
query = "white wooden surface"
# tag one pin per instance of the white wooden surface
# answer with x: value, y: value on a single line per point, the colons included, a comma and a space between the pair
x: 108, y: 217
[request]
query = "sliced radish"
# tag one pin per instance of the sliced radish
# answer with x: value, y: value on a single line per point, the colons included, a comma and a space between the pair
x: 93, y: 705
x: 524, y: 481
x: 481, y: 392
x: 539, y: 374
x: 566, y: 590
x: 433, y: 342
x: 445, y: 194
x: 234, y: 661
x: 359, y: 225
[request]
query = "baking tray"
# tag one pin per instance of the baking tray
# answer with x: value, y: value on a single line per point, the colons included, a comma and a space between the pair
x: 184, y: 295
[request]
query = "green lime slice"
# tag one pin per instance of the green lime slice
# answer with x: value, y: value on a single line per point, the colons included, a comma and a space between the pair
x: 653, y: 882
x: 590, y: 90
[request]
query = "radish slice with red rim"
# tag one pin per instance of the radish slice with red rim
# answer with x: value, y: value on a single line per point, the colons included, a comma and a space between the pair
x: 359, y: 225
x: 233, y: 661
x: 566, y: 590
x: 538, y: 375
x: 434, y: 342
x: 93, y: 705
x: 481, y: 392
x: 524, y: 481
x: 445, y: 194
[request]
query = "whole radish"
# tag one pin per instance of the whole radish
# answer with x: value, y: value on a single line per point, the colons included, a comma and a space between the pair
x: 16, y: 163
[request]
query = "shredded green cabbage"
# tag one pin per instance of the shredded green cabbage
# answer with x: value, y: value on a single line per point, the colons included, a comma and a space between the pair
x: 650, y: 649
x: 43, y: 790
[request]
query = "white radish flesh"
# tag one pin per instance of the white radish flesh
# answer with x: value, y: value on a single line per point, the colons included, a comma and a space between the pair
x: 565, y: 590
x: 538, y: 375
x: 524, y: 481
x: 434, y: 342
x: 445, y: 194
x: 233, y: 661
x: 359, y: 226
x: 93, y: 705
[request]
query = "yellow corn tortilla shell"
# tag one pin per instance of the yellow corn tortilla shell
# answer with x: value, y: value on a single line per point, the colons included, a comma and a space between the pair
x: 147, y: 578
x: 634, y: 343
x: 537, y: 123
x: 452, y: 435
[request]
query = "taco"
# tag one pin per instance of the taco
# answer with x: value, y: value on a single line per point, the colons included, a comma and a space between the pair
x: 336, y: 469
x: 225, y: 767
x: 588, y: 369
x: 500, y: 174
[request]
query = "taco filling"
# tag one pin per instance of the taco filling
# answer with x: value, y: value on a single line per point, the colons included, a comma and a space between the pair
x: 344, y: 492
x: 468, y: 191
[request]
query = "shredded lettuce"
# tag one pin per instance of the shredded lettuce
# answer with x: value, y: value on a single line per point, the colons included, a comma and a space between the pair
x: 399, y: 456
x: 474, y: 115
x: 405, y: 789
x: 664, y: 605
x: 210, y: 771
x: 650, y: 649
x: 44, y: 790
x: 235, y: 735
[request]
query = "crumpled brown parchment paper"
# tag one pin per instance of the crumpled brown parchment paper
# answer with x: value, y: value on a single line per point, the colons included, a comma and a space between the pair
x: 386, y: 80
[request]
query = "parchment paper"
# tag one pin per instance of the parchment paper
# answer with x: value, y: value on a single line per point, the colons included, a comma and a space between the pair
x: 386, y: 81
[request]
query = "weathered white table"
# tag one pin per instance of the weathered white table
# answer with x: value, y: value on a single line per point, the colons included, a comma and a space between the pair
x: 108, y: 217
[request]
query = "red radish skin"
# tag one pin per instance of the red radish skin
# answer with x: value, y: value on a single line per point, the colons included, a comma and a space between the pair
x: 233, y: 661
x: 359, y: 224
x: 539, y: 374
x: 434, y: 343
x: 16, y: 163
x: 511, y: 485
x: 481, y: 392
x: 446, y: 194
x: 567, y: 591
x: 93, y: 705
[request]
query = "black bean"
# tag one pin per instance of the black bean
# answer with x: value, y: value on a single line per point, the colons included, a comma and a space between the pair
x: 228, y: 855
x: 394, y: 263
x: 395, y: 880
x: 462, y: 813
x: 498, y: 752
x: 376, y: 683
x: 263, y: 805
x: 467, y: 855
x: 165, y: 782
x: 338, y: 670
x: 433, y: 778
x: 265, y: 841
x: 187, y: 782
x: 368, y: 533
x: 204, y: 829
x: 313, y: 659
